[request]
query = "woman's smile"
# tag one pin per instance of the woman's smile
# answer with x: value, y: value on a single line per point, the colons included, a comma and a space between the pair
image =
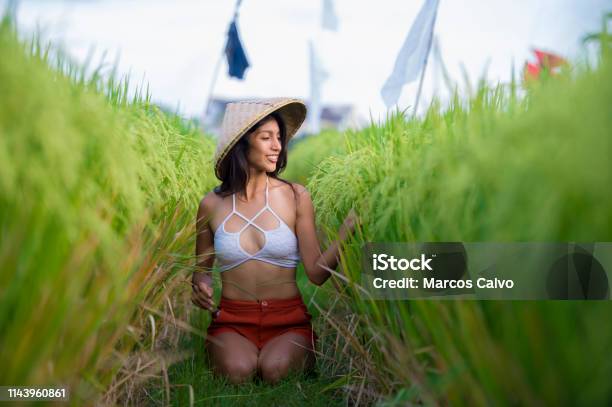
x: 265, y: 146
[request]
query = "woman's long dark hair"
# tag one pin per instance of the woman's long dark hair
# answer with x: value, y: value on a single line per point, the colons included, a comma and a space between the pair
x: 234, y: 169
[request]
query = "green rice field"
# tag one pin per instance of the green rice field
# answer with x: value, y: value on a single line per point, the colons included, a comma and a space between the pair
x: 98, y: 196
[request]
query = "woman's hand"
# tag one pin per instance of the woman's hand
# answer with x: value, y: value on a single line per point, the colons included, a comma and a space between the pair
x: 202, y: 294
x: 348, y: 226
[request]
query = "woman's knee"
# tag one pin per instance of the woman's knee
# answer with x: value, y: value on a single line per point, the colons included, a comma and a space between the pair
x: 274, y: 369
x: 233, y: 356
x: 237, y: 370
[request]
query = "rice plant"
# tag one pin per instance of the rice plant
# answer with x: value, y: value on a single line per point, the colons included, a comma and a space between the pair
x: 496, y: 168
x: 308, y: 152
x: 97, y: 197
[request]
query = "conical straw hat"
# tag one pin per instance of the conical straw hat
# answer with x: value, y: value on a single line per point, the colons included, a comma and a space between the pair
x: 241, y: 116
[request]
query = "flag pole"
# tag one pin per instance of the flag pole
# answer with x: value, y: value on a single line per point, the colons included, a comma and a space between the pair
x: 435, y: 67
x: 216, y: 70
x: 12, y: 10
x: 418, y: 95
x: 212, y: 87
x: 448, y: 82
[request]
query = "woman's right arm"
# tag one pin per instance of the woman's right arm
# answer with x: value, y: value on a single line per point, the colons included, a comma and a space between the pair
x: 202, y: 284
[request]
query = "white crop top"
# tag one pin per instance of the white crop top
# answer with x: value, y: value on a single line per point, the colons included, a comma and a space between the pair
x: 280, y: 247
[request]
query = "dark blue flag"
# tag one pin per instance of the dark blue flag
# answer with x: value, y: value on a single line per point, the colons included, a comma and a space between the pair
x: 236, y: 58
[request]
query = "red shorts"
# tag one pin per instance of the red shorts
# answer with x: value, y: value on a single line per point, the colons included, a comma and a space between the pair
x: 260, y: 321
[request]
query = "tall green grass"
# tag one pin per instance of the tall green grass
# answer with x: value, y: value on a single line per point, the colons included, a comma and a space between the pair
x: 98, y: 193
x: 495, y: 168
x: 308, y: 152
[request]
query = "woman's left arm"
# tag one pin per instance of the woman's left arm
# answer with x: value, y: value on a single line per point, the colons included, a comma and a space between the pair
x: 317, y: 263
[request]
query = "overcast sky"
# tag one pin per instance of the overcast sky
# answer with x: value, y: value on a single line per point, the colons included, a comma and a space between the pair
x: 175, y: 44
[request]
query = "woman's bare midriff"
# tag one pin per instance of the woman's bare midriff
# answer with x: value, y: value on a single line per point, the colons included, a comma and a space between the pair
x: 256, y: 280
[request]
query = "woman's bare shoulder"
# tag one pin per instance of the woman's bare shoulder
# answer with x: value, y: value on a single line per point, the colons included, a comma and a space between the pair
x: 299, y: 188
x: 301, y: 197
x: 289, y: 189
x: 304, y: 205
x: 210, y: 201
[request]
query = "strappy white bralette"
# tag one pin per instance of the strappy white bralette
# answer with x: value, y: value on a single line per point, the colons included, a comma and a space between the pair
x: 280, y: 247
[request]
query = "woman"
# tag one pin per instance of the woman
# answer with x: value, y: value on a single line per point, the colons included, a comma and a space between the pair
x: 258, y: 226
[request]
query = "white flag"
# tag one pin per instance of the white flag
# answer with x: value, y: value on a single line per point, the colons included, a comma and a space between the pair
x: 411, y: 58
x: 318, y: 75
x: 329, y: 18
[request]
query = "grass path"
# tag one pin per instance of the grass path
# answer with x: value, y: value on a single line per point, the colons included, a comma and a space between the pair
x: 193, y: 374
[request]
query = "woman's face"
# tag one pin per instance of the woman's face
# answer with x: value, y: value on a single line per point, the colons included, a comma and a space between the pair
x: 265, y: 146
